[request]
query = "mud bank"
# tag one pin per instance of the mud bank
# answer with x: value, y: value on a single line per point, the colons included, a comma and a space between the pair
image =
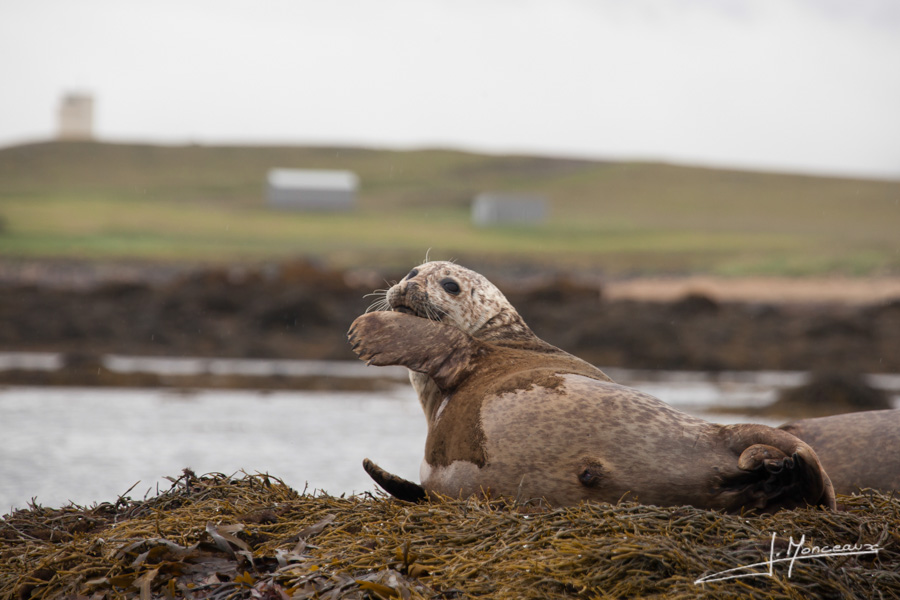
x: 300, y: 311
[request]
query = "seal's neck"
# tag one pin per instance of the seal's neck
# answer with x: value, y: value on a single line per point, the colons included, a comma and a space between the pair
x: 505, y: 326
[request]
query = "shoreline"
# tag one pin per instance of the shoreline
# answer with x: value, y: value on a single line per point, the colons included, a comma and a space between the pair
x: 301, y: 310
x: 789, y: 290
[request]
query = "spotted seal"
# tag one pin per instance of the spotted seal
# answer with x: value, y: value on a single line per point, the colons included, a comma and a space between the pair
x: 510, y: 415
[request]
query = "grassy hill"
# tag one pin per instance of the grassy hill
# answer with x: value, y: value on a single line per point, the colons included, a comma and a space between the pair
x: 101, y: 200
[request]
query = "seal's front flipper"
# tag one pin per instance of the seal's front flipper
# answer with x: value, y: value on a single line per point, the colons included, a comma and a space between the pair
x: 774, y: 471
x: 395, y: 486
x: 440, y: 351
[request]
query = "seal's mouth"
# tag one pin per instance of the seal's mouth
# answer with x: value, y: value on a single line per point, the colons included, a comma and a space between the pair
x: 402, y: 308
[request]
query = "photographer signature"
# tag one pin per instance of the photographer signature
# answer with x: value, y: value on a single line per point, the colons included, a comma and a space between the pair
x: 795, y: 551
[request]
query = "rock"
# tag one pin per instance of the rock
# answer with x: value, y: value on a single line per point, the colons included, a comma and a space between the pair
x: 829, y: 394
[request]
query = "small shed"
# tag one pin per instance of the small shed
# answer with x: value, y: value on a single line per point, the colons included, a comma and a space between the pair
x: 311, y: 190
x: 508, y: 209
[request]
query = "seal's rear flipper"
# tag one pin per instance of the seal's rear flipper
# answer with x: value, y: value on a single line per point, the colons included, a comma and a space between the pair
x: 395, y: 486
x: 774, y: 483
x: 770, y: 479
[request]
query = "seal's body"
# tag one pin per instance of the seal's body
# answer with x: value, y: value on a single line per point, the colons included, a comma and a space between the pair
x: 858, y: 450
x: 509, y: 414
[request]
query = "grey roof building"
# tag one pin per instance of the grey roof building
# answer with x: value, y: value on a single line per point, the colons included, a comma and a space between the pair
x: 312, y: 190
x: 508, y: 209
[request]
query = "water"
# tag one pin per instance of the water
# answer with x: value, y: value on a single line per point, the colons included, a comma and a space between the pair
x: 89, y: 445
x: 163, y: 365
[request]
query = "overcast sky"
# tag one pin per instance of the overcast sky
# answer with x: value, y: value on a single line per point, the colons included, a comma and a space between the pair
x: 796, y: 85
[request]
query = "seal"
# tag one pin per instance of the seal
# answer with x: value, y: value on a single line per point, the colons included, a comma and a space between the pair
x: 510, y: 415
x: 858, y: 450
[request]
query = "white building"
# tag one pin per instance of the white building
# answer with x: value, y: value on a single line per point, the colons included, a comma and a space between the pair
x: 76, y: 117
x: 508, y: 209
x: 302, y: 189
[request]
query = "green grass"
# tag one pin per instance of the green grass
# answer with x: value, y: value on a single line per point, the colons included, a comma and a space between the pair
x: 110, y: 201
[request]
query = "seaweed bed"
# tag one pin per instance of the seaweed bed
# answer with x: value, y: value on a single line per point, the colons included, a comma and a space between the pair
x: 251, y: 536
x: 300, y: 310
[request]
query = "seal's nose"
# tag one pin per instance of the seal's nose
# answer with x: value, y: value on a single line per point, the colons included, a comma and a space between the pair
x: 412, y: 274
x: 397, y: 295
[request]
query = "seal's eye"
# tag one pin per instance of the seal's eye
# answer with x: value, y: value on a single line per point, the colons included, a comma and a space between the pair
x: 450, y: 286
x: 412, y: 274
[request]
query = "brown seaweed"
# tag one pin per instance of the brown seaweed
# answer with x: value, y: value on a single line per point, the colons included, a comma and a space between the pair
x: 252, y: 536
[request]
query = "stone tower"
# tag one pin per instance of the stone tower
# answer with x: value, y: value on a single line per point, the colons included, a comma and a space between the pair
x: 76, y: 117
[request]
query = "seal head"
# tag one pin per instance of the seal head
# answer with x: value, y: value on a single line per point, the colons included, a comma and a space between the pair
x: 444, y: 291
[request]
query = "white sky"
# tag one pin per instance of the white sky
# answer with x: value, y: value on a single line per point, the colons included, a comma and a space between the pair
x: 800, y: 85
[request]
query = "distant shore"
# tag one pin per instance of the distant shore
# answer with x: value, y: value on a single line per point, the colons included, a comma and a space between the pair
x: 813, y: 290
x: 300, y: 310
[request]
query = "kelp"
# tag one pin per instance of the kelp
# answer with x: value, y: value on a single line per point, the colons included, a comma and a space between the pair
x: 252, y: 536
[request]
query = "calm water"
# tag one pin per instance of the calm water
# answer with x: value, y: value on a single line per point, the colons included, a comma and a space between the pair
x: 87, y: 445
x: 90, y: 445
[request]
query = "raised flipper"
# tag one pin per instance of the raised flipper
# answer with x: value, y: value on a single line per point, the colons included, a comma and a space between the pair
x: 440, y: 351
x: 775, y: 470
x: 397, y: 487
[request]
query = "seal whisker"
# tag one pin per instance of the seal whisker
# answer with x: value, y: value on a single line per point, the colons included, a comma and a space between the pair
x: 380, y: 303
x: 435, y: 313
x: 378, y: 306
